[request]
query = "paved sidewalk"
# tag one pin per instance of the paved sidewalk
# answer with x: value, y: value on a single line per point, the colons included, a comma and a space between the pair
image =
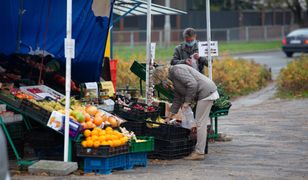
x: 270, y: 141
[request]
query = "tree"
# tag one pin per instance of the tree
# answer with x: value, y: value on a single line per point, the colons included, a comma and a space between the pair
x: 297, y: 7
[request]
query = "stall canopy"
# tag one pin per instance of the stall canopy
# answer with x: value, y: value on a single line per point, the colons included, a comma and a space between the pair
x: 139, y: 7
x: 30, y: 25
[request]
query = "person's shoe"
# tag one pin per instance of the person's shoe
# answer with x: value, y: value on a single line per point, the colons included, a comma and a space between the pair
x: 223, y: 138
x: 195, y: 156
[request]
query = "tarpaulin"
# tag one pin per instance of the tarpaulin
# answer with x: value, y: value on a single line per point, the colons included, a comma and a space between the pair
x: 41, y: 24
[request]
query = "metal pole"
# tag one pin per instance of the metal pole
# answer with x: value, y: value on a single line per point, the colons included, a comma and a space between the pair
x: 68, y: 56
x: 148, y: 58
x: 132, y: 39
x: 167, y: 26
x: 208, y: 30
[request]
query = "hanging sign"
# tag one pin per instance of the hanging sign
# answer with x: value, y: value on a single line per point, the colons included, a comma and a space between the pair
x: 203, y: 50
x: 152, y: 52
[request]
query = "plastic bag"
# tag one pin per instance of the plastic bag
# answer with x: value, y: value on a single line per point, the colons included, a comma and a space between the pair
x: 188, y: 118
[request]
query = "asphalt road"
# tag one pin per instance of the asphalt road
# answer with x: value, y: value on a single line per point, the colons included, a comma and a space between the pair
x: 274, y: 60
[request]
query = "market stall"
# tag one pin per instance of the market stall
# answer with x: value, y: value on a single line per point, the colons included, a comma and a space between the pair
x: 100, y: 132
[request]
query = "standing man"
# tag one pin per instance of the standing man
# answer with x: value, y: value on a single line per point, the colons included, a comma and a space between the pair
x: 187, y: 52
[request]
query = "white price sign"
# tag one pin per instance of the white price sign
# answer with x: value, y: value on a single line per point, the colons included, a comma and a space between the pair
x: 69, y: 48
x: 203, y: 50
x: 152, y: 52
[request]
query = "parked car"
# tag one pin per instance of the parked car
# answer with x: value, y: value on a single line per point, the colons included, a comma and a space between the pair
x: 295, y: 41
x: 4, y: 172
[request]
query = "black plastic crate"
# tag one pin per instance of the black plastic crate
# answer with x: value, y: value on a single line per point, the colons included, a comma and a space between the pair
x: 172, y: 149
x: 36, y: 112
x: 132, y: 114
x: 11, y: 100
x: 43, y: 137
x: 49, y: 153
x: 19, y: 146
x: 102, y: 151
x: 138, y: 127
x: 166, y: 131
x: 16, y: 130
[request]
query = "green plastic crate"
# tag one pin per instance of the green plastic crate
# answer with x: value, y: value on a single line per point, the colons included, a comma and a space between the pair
x: 140, y: 70
x: 146, y: 146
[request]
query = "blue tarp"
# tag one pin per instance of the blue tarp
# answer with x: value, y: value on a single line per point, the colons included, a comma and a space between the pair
x: 43, y: 25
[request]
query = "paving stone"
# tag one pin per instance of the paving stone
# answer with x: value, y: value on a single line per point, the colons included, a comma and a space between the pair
x: 58, y: 168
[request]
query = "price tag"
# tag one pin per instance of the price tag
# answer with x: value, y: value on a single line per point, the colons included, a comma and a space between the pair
x: 69, y: 48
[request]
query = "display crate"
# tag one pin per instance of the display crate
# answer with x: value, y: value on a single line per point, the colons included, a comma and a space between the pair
x: 135, y: 114
x: 36, y: 112
x: 102, y: 151
x: 11, y: 100
x: 49, y: 153
x: 146, y: 146
x: 218, y: 111
x: 139, y: 69
x: 101, y: 165
x: 15, y: 130
x: 136, y: 159
x: 43, y: 92
x: 138, y: 127
x: 174, y: 149
x: 166, y: 131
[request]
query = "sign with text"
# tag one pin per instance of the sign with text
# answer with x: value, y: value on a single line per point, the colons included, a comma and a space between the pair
x: 203, y: 48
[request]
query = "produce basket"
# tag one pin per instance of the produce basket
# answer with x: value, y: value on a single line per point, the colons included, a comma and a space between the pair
x: 36, y: 112
x: 166, y: 131
x: 134, y: 115
x: 102, y: 151
x: 131, y: 113
x: 41, y: 91
x: 11, y: 100
x: 146, y: 146
x: 138, y: 127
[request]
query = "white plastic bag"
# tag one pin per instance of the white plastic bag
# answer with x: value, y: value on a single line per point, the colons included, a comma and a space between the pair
x: 194, y: 63
x: 188, y: 118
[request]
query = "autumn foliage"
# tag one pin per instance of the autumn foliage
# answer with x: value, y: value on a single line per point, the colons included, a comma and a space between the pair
x: 293, y: 80
x: 238, y: 77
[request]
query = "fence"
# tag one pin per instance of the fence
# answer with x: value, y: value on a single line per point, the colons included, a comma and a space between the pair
x: 248, y: 33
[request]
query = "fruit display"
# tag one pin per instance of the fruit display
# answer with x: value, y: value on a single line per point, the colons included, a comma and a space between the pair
x: 107, y: 137
x: 154, y: 125
x: 18, y: 94
x: 48, y: 105
x: 90, y: 117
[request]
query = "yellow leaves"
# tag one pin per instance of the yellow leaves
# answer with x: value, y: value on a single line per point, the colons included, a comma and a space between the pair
x: 294, y: 78
x: 239, y: 77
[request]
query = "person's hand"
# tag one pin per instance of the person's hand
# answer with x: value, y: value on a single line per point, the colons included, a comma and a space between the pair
x: 188, y: 61
x: 185, y: 106
x: 193, y: 132
x: 167, y: 119
x: 196, y: 56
